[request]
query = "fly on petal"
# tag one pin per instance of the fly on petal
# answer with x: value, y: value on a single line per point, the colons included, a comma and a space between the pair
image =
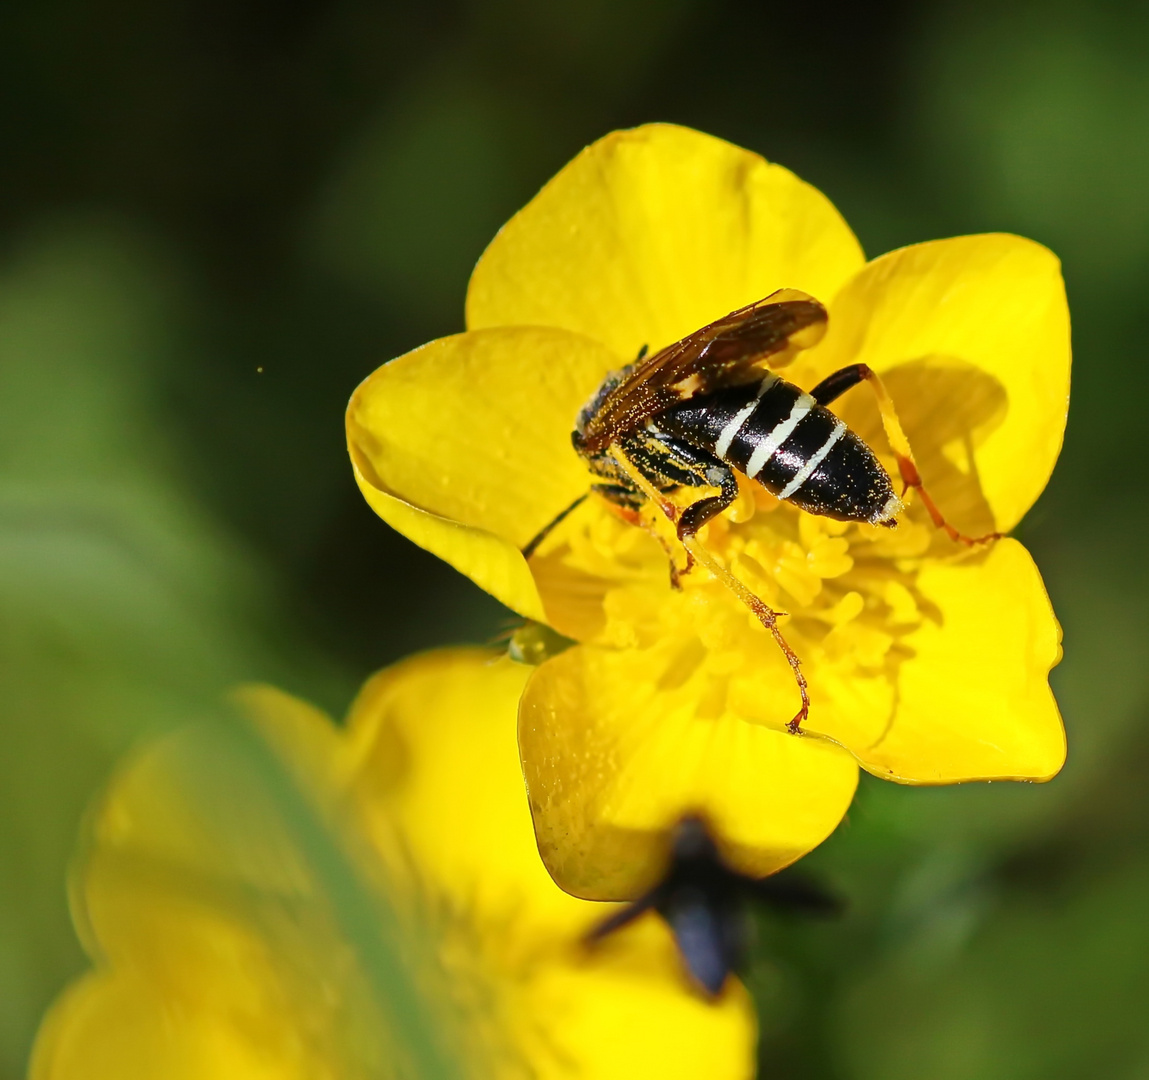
x: 705, y: 904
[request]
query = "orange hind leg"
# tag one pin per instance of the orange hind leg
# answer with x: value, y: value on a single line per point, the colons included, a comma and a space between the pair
x: 836, y: 384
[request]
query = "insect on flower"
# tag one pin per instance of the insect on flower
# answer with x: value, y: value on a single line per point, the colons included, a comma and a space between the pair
x: 704, y: 903
x: 925, y: 666
x: 708, y: 406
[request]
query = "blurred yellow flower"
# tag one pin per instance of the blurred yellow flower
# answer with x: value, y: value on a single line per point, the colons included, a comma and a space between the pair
x: 365, y: 902
x: 927, y: 662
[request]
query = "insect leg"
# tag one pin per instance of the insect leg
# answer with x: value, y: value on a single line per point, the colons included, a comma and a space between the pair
x: 693, y: 518
x: 626, y: 915
x: 766, y: 615
x: 796, y: 893
x: 836, y: 384
x: 699, y: 513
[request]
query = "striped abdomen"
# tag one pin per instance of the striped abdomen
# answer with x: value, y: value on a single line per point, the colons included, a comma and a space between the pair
x: 781, y: 437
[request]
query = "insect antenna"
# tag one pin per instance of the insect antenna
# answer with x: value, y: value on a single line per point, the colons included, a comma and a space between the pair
x: 545, y: 531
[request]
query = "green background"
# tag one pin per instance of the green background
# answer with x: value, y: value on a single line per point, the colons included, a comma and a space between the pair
x: 216, y: 217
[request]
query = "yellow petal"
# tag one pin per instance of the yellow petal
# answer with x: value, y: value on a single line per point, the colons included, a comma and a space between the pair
x: 449, y: 718
x: 464, y: 446
x: 972, y: 337
x: 232, y: 945
x: 613, y: 760
x: 156, y: 832
x: 488, y: 560
x: 303, y: 735
x: 626, y: 1008
x: 630, y: 1015
x: 116, y: 1027
x: 972, y: 695
x: 228, y: 925
x: 652, y: 233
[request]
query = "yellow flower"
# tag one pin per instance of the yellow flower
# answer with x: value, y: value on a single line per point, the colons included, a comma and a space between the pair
x: 235, y: 908
x: 927, y: 662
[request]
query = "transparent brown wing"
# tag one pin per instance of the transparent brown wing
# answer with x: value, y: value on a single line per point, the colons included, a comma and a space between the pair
x: 728, y: 352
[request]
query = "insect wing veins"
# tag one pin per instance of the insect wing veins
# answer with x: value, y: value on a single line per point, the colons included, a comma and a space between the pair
x: 727, y: 352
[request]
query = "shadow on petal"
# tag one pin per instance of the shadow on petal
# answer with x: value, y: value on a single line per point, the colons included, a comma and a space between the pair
x: 948, y: 408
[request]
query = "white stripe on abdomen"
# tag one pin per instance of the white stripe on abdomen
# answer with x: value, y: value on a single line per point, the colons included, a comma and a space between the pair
x: 735, y: 423
x: 803, y: 474
x: 768, y: 447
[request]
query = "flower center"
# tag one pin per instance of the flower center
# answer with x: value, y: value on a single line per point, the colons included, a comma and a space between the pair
x: 845, y: 594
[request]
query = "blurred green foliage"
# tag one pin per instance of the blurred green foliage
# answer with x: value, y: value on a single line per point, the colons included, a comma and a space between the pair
x: 215, y: 218
x: 122, y: 606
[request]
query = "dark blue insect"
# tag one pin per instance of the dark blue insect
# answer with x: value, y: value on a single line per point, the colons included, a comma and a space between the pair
x: 705, y: 903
